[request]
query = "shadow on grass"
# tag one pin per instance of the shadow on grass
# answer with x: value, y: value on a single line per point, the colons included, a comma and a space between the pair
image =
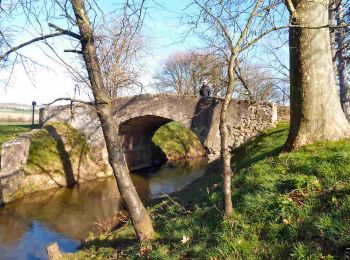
x: 118, y: 243
x: 173, y: 216
x: 266, y: 145
x: 196, y: 211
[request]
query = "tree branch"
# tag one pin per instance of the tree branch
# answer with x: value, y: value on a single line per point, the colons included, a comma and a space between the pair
x: 59, y: 32
x: 291, y: 9
x: 14, y: 49
x: 74, y: 51
x: 72, y: 100
x: 246, y: 46
x: 243, y: 81
x: 221, y: 25
x: 66, y: 32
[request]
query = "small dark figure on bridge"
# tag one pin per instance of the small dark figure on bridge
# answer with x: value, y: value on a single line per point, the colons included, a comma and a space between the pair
x: 205, y: 90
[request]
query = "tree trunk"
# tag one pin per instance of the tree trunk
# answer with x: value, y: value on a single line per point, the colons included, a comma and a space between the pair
x: 225, y: 153
x: 316, y: 113
x: 333, y: 22
x: 342, y: 64
x: 139, y: 216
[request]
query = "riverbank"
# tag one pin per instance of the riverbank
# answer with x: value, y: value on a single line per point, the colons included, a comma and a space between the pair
x: 287, y: 205
x: 67, y: 215
x: 57, y: 155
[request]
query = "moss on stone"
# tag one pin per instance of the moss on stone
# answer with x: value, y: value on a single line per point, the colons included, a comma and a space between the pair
x: 52, y: 146
x: 178, y: 142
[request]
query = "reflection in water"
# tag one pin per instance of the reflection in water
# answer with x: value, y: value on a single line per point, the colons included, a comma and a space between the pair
x: 68, y: 215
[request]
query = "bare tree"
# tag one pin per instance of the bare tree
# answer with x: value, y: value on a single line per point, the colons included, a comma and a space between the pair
x: 184, y: 72
x: 256, y: 82
x: 119, y: 47
x: 231, y: 28
x: 316, y: 113
x: 76, y: 14
x: 278, y: 65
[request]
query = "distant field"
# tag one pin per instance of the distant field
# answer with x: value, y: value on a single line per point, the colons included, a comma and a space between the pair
x: 10, y: 132
x: 9, y: 115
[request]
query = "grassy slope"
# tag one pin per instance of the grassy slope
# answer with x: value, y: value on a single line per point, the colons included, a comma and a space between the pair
x: 177, y: 141
x: 287, y: 205
x: 10, y: 132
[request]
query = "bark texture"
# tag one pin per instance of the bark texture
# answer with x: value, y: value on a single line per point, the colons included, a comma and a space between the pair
x: 225, y: 152
x: 139, y: 216
x: 342, y: 64
x: 316, y: 113
x: 332, y: 31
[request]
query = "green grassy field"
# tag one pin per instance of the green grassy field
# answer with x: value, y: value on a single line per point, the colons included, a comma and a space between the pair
x: 17, y: 116
x: 286, y: 205
x: 11, y: 131
x: 15, y: 111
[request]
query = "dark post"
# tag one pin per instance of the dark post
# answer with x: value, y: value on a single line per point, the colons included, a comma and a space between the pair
x: 33, y: 110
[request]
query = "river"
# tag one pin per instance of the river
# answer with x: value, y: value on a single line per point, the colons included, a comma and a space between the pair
x: 66, y: 216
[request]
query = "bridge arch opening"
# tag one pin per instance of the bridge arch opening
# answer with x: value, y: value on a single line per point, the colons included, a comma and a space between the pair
x: 150, y: 141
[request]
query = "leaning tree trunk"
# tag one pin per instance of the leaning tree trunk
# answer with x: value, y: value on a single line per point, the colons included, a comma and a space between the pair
x: 342, y: 64
x: 225, y: 153
x: 139, y: 216
x: 316, y: 113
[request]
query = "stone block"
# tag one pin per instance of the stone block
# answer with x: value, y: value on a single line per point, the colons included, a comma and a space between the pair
x: 14, y: 154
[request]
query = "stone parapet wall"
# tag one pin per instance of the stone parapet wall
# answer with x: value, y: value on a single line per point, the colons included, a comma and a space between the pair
x: 10, y: 186
x: 82, y: 118
x: 283, y: 113
x: 14, y: 154
x: 18, y: 179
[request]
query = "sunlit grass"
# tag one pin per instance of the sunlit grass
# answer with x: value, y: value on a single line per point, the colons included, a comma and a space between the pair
x: 286, y: 206
x: 11, y: 131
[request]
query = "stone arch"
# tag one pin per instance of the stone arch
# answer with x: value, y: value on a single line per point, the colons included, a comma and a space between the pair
x: 198, y: 115
x: 136, y: 134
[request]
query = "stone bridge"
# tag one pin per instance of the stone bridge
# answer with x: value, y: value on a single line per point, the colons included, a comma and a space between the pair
x: 138, y: 117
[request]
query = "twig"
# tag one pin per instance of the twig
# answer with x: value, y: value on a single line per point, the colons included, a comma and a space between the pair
x: 74, y: 51
x: 176, y: 203
x: 64, y: 31
x: 72, y: 100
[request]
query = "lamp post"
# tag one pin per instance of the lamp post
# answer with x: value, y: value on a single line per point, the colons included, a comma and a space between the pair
x: 33, y: 110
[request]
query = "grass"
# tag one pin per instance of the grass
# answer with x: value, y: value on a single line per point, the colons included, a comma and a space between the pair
x: 9, y: 132
x: 177, y: 141
x: 286, y: 205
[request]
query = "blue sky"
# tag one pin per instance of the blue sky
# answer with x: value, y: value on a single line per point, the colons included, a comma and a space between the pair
x: 164, y: 31
x: 164, y: 34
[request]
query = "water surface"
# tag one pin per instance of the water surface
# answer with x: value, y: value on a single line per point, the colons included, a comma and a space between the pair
x: 66, y: 216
